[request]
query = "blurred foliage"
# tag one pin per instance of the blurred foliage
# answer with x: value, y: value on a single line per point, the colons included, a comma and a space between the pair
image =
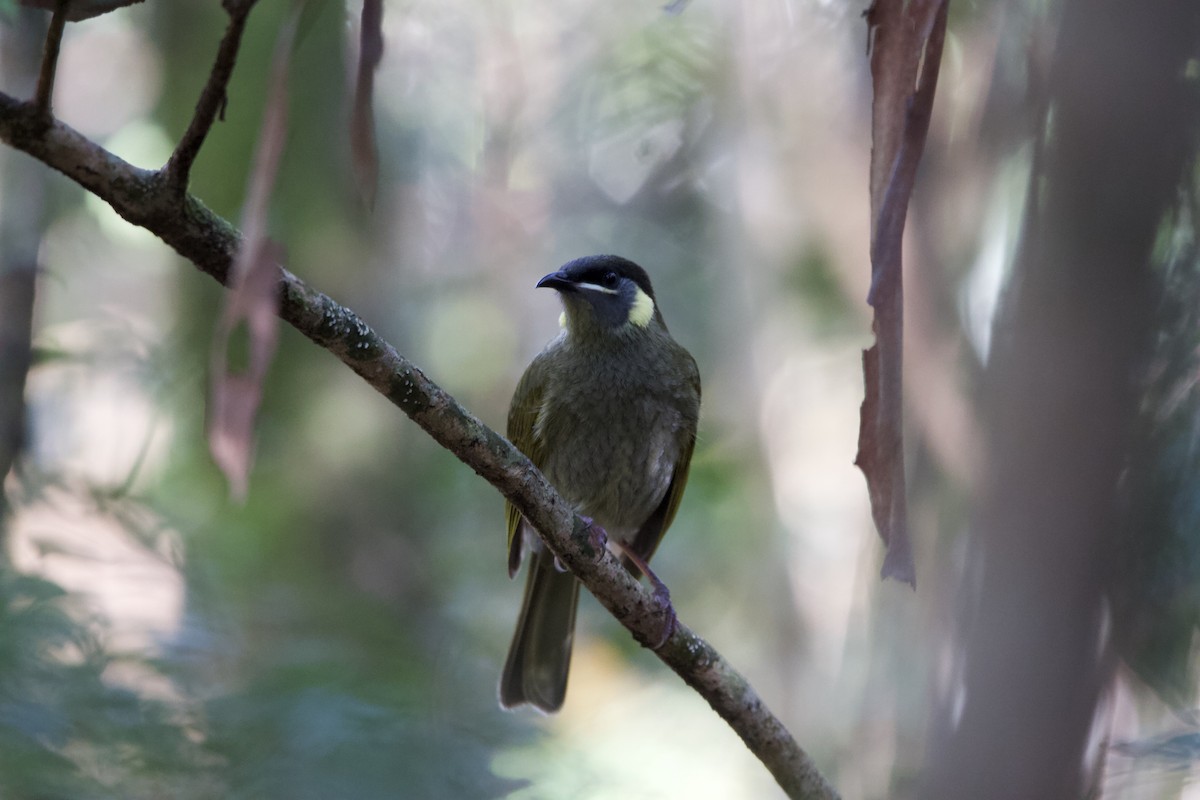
x: 1157, y: 561
x: 65, y: 729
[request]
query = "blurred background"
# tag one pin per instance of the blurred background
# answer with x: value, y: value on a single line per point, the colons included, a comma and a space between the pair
x: 340, y: 634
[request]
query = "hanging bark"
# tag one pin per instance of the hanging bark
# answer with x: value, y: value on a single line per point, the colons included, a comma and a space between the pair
x: 906, y: 51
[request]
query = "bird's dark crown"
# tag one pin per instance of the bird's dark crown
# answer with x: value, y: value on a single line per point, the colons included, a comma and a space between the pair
x: 594, y: 269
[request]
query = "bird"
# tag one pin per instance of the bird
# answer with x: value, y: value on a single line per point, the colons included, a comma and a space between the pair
x: 608, y: 411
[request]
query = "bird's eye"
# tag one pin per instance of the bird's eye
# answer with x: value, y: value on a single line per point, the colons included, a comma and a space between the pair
x: 610, y: 280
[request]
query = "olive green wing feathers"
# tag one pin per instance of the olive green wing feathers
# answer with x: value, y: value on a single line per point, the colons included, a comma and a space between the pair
x: 651, y: 533
x: 522, y: 423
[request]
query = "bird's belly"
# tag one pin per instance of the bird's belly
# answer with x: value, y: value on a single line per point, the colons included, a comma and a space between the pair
x: 616, y: 474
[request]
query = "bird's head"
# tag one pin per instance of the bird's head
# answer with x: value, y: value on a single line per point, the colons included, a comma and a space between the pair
x: 604, y: 295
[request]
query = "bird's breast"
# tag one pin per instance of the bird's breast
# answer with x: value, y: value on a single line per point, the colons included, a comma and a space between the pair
x: 611, y: 444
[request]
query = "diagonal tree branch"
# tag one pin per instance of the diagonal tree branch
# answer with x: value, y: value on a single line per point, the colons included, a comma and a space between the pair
x: 151, y: 200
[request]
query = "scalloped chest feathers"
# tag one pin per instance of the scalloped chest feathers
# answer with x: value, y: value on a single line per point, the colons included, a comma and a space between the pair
x: 614, y: 434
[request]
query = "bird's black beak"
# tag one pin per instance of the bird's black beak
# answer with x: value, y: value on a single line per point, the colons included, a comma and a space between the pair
x: 557, y: 280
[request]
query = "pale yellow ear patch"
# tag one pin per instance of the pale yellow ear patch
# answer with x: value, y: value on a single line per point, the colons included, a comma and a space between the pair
x: 562, y: 320
x: 642, y: 310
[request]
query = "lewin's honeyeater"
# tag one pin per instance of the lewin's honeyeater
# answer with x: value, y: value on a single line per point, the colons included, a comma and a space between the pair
x: 607, y: 411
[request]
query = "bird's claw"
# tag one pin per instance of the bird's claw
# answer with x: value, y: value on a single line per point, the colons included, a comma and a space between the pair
x: 597, y: 536
x: 663, y: 595
x: 597, y: 539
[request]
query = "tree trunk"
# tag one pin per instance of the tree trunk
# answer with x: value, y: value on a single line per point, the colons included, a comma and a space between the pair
x: 1062, y: 391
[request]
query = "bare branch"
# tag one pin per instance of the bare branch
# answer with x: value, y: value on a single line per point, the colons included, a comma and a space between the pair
x: 45, y: 84
x: 211, y: 243
x: 81, y: 9
x: 212, y: 99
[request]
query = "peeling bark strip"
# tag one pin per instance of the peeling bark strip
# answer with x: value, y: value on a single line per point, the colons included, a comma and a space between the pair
x: 362, y: 118
x: 151, y: 200
x: 906, y: 51
x: 252, y: 300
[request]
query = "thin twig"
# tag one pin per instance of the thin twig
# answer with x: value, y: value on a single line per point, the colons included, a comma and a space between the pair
x: 212, y: 99
x: 45, y: 84
x: 211, y: 244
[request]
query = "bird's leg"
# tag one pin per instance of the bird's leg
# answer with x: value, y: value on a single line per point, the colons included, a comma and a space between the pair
x: 599, y: 539
x: 661, y: 592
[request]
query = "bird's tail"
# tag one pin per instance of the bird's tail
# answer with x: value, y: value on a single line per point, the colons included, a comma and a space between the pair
x: 540, y: 654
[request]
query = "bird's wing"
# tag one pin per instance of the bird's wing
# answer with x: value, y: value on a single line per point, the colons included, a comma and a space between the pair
x: 522, y: 419
x: 645, y: 542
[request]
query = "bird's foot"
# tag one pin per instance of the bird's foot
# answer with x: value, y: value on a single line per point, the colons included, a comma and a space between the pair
x: 661, y: 593
x: 597, y: 536
x: 671, y: 621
